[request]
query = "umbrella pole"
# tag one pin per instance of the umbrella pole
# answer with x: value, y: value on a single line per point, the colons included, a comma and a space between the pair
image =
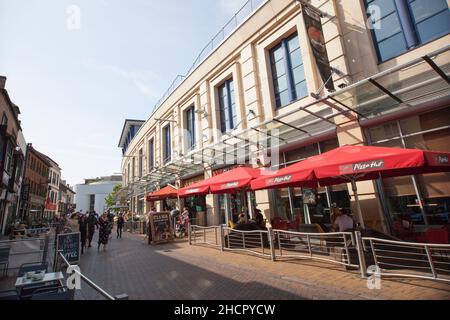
x: 358, y: 204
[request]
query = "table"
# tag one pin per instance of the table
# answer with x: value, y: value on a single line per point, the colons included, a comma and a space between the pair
x: 49, y: 277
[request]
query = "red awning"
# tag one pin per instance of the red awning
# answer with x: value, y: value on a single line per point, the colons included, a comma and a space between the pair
x: 356, y: 163
x: 227, y: 182
x: 168, y: 192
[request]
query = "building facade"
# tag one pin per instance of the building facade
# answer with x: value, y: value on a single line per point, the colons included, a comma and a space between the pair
x: 11, y: 156
x: 54, y: 179
x: 35, y: 186
x: 66, y: 199
x: 292, y: 81
x: 91, y: 195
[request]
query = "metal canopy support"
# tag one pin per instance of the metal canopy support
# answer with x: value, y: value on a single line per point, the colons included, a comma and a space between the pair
x: 342, y: 105
x: 438, y: 70
x: 291, y: 126
x: 320, y: 117
x: 386, y: 91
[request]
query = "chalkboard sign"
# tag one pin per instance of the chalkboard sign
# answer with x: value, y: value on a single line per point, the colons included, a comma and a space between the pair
x: 161, y: 228
x: 69, y: 243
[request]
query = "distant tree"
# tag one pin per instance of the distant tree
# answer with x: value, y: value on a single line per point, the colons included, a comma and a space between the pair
x: 111, y: 198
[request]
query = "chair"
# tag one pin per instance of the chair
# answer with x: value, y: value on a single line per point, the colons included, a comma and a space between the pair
x: 29, y: 267
x: 9, y: 295
x: 4, y: 259
x: 55, y: 293
x: 435, y: 236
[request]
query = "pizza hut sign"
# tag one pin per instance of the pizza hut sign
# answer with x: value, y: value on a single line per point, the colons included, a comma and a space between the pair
x: 279, y: 180
x: 362, y: 166
x: 443, y: 159
x: 230, y: 185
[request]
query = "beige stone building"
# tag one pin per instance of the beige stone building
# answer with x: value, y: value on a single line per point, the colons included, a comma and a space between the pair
x: 261, y: 92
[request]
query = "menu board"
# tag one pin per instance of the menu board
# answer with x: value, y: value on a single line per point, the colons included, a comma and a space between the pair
x: 69, y: 243
x: 161, y: 228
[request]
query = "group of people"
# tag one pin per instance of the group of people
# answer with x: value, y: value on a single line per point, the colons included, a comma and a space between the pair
x: 91, y: 221
x: 258, y: 218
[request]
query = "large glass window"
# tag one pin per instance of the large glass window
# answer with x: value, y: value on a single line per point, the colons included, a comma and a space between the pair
x: 151, y: 154
x: 288, y: 72
x: 227, y: 106
x: 431, y: 18
x: 189, y: 116
x: 399, y: 25
x: 141, y: 164
x: 422, y: 199
x: 167, y: 148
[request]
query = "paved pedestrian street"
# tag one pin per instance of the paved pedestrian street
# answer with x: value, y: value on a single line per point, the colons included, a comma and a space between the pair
x: 178, y: 271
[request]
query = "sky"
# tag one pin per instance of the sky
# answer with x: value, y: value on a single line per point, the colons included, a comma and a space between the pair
x: 77, y: 77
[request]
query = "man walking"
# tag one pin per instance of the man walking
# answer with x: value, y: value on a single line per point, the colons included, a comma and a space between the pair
x: 92, y: 224
x: 120, y: 224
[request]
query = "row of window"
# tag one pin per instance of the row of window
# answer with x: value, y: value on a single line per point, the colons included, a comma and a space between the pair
x: 35, y: 165
x: 37, y: 189
x: 398, y: 26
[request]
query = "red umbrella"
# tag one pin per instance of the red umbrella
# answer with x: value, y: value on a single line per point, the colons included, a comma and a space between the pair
x: 356, y: 163
x: 227, y: 182
x: 168, y: 192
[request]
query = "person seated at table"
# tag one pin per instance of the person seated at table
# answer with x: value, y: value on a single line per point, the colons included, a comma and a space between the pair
x: 341, y: 222
x: 242, y: 219
x: 259, y: 218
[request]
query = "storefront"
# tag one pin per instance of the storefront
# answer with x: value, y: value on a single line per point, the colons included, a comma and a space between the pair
x: 423, y: 199
x: 196, y: 204
x: 296, y: 206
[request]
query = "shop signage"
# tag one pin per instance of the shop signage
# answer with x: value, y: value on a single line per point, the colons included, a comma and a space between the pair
x: 279, y: 180
x: 230, y: 185
x: 190, y: 191
x: 69, y: 244
x: 443, y: 159
x: 362, y: 166
x: 161, y: 228
x: 317, y: 40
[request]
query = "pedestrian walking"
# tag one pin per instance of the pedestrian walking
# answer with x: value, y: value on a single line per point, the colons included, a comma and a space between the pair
x: 111, y: 222
x: 120, y: 224
x: 92, y: 224
x: 104, y: 231
x: 83, y: 226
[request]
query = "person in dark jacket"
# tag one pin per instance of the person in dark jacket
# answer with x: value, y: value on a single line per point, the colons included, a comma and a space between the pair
x: 83, y: 225
x: 104, y: 231
x: 120, y: 224
x: 92, y: 223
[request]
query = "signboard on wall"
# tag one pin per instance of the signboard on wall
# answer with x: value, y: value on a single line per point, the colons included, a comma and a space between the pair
x: 314, y: 30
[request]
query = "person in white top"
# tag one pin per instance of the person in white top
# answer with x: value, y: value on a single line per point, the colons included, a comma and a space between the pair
x: 342, y: 222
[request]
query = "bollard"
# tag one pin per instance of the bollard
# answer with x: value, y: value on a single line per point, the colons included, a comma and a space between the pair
x: 361, y: 256
x: 272, y: 246
x: 189, y: 234
x: 221, y: 238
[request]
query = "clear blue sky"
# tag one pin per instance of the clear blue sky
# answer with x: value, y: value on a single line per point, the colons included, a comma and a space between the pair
x: 76, y: 87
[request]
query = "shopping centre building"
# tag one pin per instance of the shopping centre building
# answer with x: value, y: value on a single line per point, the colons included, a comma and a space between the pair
x: 284, y: 81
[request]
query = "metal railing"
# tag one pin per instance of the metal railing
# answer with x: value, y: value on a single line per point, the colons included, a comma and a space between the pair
x: 338, y: 248
x: 205, y: 235
x: 258, y: 242
x: 22, y: 251
x: 408, y: 260
x: 62, y: 260
x: 241, y: 16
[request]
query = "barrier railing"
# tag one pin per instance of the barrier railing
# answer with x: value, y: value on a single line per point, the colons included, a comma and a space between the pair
x: 18, y: 252
x: 408, y: 260
x: 89, y: 282
x: 257, y: 242
x: 205, y: 235
x: 338, y: 248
